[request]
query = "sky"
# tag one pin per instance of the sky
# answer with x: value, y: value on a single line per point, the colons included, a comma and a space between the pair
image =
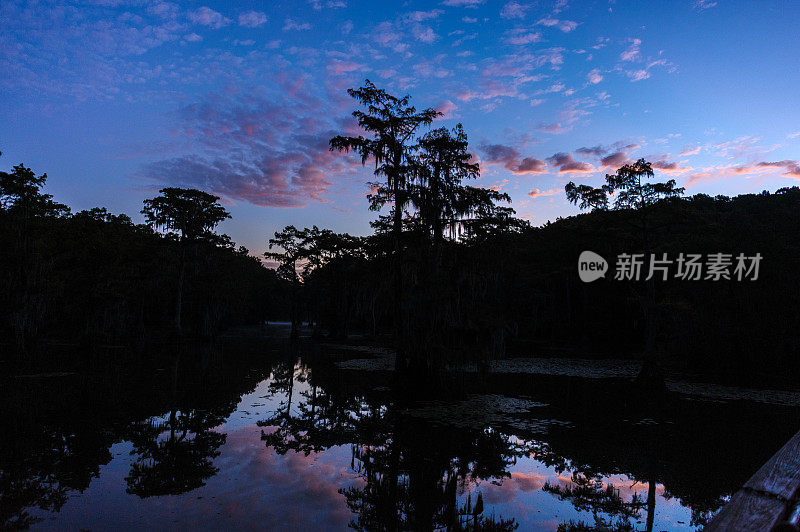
x: 115, y: 99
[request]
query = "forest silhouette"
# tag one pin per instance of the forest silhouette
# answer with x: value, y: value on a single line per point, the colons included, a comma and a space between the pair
x: 449, y: 275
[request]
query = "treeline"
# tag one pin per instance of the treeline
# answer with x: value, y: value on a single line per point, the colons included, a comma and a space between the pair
x: 723, y: 326
x: 94, y: 278
x: 459, y: 279
x: 449, y: 272
x: 522, y: 285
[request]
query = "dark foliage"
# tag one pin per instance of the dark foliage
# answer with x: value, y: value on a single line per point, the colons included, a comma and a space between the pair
x: 724, y: 326
x: 517, y: 286
x: 94, y: 278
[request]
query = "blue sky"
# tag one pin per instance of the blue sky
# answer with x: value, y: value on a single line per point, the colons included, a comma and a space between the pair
x: 116, y: 98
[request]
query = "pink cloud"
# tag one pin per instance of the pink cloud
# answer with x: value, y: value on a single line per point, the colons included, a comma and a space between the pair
x: 420, y: 16
x: 555, y: 128
x: 424, y: 34
x: 690, y: 151
x: 531, y: 165
x: 670, y: 167
x: 510, y: 158
x: 618, y: 156
x: 567, y: 165
x: 638, y: 75
x: 536, y: 193
x: 614, y: 160
x: 265, y: 152
x: 597, y: 151
x: 745, y: 145
x: 447, y: 108
x: 338, y: 67
x: 791, y: 167
x: 385, y: 34
x: 701, y: 5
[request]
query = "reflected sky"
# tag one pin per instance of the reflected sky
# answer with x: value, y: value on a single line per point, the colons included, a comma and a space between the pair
x: 257, y: 488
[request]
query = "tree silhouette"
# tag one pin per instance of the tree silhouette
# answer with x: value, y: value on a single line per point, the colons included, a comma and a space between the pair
x: 292, y: 241
x: 186, y: 212
x: 191, y: 216
x: 629, y: 186
x: 634, y: 193
x: 442, y: 163
x: 333, y: 264
x: 392, y: 124
x: 24, y: 205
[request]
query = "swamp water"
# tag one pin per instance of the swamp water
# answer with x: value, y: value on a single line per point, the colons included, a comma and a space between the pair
x: 314, y: 437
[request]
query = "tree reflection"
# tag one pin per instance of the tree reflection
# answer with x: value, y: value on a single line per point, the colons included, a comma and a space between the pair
x: 424, y: 473
x: 174, y: 455
x: 47, y: 450
x: 413, y: 483
x: 42, y: 470
x: 411, y: 471
x: 609, y: 510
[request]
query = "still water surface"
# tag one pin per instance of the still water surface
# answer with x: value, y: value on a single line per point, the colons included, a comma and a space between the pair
x: 284, y: 438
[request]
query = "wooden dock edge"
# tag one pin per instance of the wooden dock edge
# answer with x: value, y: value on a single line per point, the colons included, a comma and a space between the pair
x: 767, y: 498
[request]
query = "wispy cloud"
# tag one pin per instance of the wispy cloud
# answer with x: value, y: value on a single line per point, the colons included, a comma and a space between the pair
x: 632, y: 52
x: 594, y: 76
x: 791, y: 167
x: 447, y: 108
x: 536, y: 193
x: 252, y: 19
x: 514, y: 10
x: 299, y: 26
x: 522, y: 36
x: 205, y: 16
x: 564, y: 25
x: 703, y: 4
x: 463, y: 3
x: 420, y: 16
x: 254, y: 149
x: 690, y: 150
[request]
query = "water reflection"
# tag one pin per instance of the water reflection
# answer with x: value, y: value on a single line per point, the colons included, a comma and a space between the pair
x: 409, y: 471
x: 288, y: 439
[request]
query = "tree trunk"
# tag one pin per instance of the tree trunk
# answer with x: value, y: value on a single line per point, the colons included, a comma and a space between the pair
x: 400, y: 358
x: 295, y: 333
x: 179, y: 301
